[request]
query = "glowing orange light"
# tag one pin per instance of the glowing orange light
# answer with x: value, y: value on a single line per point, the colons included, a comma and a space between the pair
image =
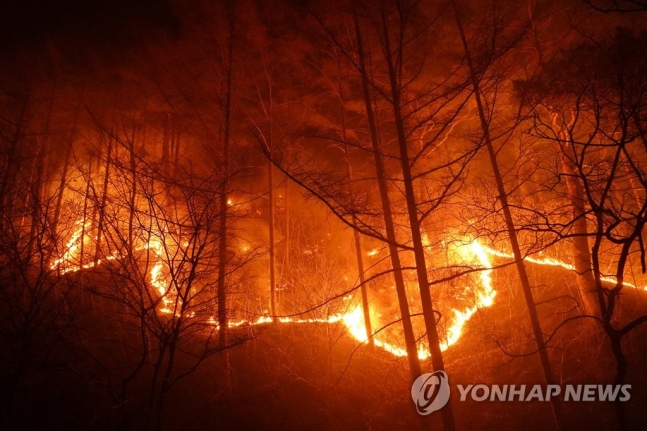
x: 353, y: 319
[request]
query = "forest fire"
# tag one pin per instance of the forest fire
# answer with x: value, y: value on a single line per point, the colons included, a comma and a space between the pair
x: 64, y: 263
x: 251, y: 214
x: 549, y: 261
x: 467, y: 252
x: 353, y: 320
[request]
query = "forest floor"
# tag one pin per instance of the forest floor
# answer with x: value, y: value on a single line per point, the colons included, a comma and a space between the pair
x: 316, y: 377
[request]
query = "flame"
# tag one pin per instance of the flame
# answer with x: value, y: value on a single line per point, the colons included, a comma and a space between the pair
x: 353, y: 319
x: 470, y: 251
x: 549, y: 261
x: 157, y: 278
x: 484, y: 296
x: 354, y: 322
x: 64, y: 262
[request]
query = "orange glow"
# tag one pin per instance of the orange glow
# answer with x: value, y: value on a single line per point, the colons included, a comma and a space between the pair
x: 484, y: 294
x: 472, y: 253
x: 549, y: 261
x: 64, y: 262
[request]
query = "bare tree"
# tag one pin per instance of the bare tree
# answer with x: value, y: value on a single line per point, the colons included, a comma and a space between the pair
x: 600, y: 107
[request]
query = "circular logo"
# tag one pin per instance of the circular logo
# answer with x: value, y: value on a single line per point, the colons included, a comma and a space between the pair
x: 430, y: 392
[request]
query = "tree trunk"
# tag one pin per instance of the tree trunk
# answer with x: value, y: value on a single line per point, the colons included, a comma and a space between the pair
x: 66, y: 165
x: 414, y: 224
x: 224, y: 188
x: 512, y: 234
x: 133, y: 191
x: 168, y: 144
x: 222, y: 257
x: 85, y: 210
x: 104, y: 199
x: 35, y: 193
x: 619, y: 379
x: 270, y: 181
x: 36, y: 188
x: 356, y: 237
x: 61, y: 186
x: 286, y: 253
x: 409, y: 337
x: 581, y: 251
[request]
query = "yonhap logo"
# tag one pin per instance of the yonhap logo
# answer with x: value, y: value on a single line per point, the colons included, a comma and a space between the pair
x: 430, y: 392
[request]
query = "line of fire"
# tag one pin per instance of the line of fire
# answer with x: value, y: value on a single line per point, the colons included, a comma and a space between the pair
x: 252, y: 214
